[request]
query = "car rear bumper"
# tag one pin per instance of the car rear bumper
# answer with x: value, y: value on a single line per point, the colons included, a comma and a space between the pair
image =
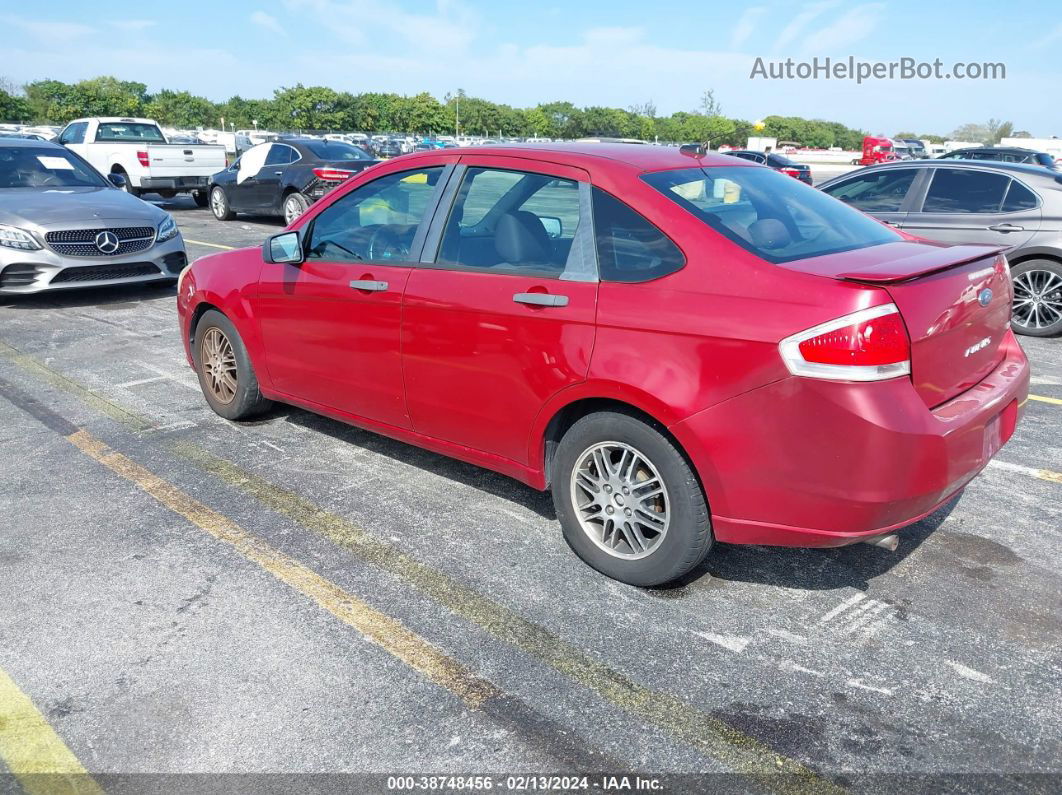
x: 175, y: 183
x: 28, y: 272
x: 802, y: 462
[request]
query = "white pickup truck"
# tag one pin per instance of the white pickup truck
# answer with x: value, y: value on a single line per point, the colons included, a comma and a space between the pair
x: 137, y: 149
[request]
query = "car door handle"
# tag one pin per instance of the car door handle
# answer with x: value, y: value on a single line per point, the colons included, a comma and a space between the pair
x: 541, y: 299
x: 1007, y: 228
x: 892, y: 223
x: 368, y: 285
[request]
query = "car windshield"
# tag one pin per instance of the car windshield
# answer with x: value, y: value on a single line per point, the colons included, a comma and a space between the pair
x: 130, y: 131
x: 775, y: 217
x: 336, y: 150
x: 45, y: 167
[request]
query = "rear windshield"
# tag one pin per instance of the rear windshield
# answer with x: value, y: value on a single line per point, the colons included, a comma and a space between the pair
x: 130, y: 131
x: 45, y: 167
x: 768, y: 213
x: 336, y: 150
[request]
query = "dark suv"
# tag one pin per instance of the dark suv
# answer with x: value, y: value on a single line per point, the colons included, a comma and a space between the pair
x: 1003, y: 154
x: 955, y: 201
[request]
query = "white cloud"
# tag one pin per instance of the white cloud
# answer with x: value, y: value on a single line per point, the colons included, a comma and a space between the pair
x: 808, y: 14
x: 746, y: 26
x: 133, y: 25
x: 852, y: 27
x: 262, y: 19
x: 49, y: 31
x: 450, y: 29
x: 1050, y: 38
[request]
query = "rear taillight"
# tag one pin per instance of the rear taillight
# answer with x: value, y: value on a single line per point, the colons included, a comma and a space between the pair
x: 869, y: 345
x: 793, y: 172
x: 332, y: 174
x: 143, y: 158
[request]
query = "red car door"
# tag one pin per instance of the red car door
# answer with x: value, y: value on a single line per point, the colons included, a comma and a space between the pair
x: 331, y: 325
x: 500, y: 314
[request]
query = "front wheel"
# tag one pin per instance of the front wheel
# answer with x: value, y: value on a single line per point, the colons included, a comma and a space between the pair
x: 1037, y: 310
x: 628, y: 502
x: 219, y: 204
x: 226, y: 375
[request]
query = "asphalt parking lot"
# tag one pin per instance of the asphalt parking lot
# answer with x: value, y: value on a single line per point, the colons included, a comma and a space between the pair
x: 184, y: 595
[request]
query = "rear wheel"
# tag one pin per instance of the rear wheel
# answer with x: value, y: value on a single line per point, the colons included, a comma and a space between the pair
x: 628, y: 502
x: 294, y: 205
x: 219, y: 205
x: 225, y: 373
x: 1037, y: 308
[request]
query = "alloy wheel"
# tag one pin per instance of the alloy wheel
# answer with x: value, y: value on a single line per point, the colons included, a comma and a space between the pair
x: 217, y: 203
x: 292, y: 209
x: 1037, y: 299
x: 620, y: 500
x: 219, y: 365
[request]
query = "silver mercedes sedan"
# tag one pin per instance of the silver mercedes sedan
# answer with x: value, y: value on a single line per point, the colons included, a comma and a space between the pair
x: 63, y: 225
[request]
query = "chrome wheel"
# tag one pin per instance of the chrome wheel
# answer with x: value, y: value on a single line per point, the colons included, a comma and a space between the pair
x: 217, y: 202
x: 219, y: 365
x: 620, y: 500
x: 292, y: 209
x: 1037, y: 299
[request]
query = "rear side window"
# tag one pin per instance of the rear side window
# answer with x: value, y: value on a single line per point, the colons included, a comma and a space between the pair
x: 875, y: 192
x: 965, y: 190
x: 280, y: 155
x: 630, y: 248
x: 1019, y: 198
x: 776, y: 217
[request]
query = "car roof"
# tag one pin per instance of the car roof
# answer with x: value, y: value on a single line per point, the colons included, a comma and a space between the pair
x: 33, y: 142
x: 639, y: 157
x: 1024, y: 169
x: 1021, y: 149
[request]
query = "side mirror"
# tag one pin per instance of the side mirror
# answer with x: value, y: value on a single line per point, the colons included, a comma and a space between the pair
x: 118, y: 180
x: 553, y: 226
x: 285, y: 248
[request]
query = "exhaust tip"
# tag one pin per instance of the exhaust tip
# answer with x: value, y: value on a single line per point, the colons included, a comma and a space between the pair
x: 889, y: 542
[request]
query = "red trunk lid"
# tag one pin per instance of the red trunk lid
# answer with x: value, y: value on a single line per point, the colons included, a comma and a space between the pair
x: 954, y: 300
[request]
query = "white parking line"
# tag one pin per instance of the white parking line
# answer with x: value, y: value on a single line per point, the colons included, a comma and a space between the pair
x: 841, y: 608
x: 1021, y: 469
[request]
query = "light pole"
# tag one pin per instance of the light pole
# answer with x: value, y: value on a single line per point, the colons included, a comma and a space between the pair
x: 457, y: 116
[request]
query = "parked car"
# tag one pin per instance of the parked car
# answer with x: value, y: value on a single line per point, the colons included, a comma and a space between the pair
x: 684, y: 348
x: 1018, y: 207
x: 284, y: 177
x: 391, y: 147
x: 875, y: 150
x: 63, y: 225
x: 138, y: 151
x: 776, y: 161
x: 1004, y: 154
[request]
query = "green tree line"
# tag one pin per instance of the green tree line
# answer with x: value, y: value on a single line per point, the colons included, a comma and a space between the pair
x: 321, y: 108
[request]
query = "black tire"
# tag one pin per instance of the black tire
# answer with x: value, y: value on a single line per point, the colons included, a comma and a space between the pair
x: 219, y: 204
x: 1043, y: 276
x: 247, y: 400
x: 201, y: 198
x: 295, y: 204
x: 688, y: 536
x: 128, y: 183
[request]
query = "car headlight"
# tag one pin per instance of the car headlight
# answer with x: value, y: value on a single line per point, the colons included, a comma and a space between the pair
x: 167, y: 229
x: 13, y: 237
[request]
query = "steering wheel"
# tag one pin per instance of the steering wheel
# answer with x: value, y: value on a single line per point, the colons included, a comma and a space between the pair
x: 384, y: 244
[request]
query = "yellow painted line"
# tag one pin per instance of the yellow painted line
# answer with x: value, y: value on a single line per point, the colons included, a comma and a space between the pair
x: 1042, y: 399
x: 386, y: 632
x: 211, y: 245
x: 709, y: 735
x: 33, y: 752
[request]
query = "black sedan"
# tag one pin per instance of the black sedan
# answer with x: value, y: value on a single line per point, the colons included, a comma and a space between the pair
x: 776, y: 161
x: 284, y: 177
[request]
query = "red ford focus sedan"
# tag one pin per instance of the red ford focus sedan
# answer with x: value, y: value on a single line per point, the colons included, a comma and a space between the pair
x: 684, y: 347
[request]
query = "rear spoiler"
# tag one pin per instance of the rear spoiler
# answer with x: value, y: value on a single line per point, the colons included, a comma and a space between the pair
x: 929, y: 260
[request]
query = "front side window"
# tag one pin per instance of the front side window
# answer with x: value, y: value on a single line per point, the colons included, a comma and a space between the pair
x: 515, y: 222
x: 129, y: 131
x: 74, y: 134
x: 375, y: 222
x: 965, y: 190
x: 776, y: 217
x: 630, y: 248
x: 875, y: 192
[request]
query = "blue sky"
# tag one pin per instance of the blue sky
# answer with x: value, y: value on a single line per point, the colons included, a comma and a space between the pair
x: 606, y: 52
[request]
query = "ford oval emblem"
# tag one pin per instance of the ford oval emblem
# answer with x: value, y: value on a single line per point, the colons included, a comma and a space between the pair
x: 984, y: 298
